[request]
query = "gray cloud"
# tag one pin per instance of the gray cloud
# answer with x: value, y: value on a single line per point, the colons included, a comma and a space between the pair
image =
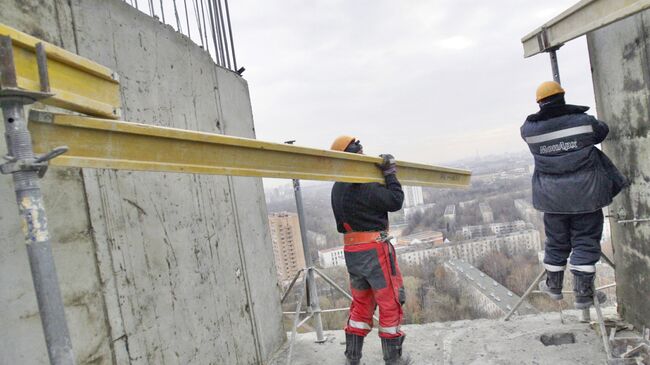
x: 429, y: 81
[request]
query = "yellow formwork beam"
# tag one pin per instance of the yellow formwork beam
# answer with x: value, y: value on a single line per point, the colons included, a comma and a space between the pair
x: 79, y: 84
x: 583, y: 17
x: 108, y: 144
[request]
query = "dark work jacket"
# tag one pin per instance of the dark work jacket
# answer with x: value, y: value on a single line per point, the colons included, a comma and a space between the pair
x: 365, y: 207
x: 571, y: 175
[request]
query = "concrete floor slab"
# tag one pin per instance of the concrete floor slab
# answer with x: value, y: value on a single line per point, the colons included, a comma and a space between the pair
x: 468, y: 342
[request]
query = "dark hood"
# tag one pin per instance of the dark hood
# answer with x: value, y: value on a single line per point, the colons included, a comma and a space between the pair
x: 556, y: 110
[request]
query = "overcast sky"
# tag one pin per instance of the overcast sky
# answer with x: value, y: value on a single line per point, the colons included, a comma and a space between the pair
x: 428, y: 81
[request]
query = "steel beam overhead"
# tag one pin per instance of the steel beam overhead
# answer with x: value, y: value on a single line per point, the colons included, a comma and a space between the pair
x: 108, y: 144
x: 578, y: 20
x: 79, y: 84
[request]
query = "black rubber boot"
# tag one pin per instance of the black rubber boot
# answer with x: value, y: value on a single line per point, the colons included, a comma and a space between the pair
x: 353, y: 346
x: 392, y: 348
x: 553, y: 284
x: 583, y: 286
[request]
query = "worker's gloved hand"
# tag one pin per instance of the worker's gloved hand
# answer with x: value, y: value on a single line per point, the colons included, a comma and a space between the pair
x: 402, y: 296
x: 389, y: 165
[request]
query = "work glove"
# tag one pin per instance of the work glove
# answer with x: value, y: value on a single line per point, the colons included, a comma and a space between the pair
x: 388, y: 164
x: 402, y: 296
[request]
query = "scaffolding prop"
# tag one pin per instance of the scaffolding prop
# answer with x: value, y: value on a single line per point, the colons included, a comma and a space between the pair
x: 308, y: 285
x: 313, y: 309
x: 313, y: 303
x: 26, y: 169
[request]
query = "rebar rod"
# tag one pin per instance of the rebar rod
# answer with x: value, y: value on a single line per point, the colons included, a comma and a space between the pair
x: 205, y: 29
x: 232, y: 44
x: 197, y: 14
x: 635, y: 220
x: 223, y: 34
x: 178, y: 20
x: 214, y: 34
x: 187, y: 20
x: 43, y: 73
x: 218, y: 29
x: 162, y: 11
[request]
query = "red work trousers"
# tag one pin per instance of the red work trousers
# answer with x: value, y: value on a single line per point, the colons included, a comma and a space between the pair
x: 375, y: 280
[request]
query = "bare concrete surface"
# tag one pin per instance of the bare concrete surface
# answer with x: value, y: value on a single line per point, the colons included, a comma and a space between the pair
x: 468, y: 342
x: 154, y: 268
x: 620, y: 60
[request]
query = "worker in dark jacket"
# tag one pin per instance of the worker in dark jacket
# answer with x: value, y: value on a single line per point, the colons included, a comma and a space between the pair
x: 572, y: 182
x: 361, y: 212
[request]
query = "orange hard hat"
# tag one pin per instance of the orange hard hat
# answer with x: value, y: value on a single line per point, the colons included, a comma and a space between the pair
x: 548, y: 88
x: 342, y: 142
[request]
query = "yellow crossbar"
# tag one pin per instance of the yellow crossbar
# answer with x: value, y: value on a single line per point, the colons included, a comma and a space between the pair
x: 108, y: 144
x: 79, y: 84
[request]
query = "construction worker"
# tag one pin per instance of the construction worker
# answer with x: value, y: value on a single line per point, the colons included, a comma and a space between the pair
x: 361, y: 212
x: 572, y: 182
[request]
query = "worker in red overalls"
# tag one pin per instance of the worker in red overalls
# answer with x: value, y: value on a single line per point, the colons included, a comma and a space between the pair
x: 361, y: 212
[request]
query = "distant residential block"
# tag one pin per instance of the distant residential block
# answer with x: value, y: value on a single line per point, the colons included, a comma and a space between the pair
x: 486, y: 213
x: 474, y: 249
x: 412, y: 196
x: 432, y: 238
x: 450, y: 217
x: 526, y: 211
x: 287, y: 244
x: 469, y: 232
x: 331, y: 257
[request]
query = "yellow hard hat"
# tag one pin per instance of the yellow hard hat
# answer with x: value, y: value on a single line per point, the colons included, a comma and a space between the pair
x: 341, y: 143
x: 548, y: 88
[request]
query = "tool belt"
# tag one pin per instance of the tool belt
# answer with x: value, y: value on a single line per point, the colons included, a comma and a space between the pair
x: 353, y: 238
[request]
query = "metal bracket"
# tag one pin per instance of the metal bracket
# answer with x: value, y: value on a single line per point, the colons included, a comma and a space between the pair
x: 38, y: 164
x: 544, y: 43
x: 621, y: 218
x: 634, y: 220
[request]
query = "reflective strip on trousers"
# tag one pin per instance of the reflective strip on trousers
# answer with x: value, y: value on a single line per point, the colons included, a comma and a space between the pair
x: 554, y: 268
x: 392, y: 330
x: 360, y: 325
x: 583, y: 268
x: 568, y: 132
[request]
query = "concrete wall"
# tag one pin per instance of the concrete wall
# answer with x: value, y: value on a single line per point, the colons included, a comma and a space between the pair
x: 154, y: 268
x: 620, y: 59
